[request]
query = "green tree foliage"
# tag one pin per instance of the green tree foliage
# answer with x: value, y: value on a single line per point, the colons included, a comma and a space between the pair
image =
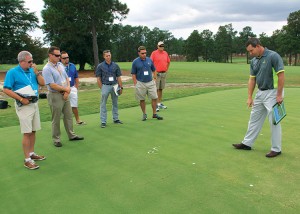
x: 193, y: 46
x: 15, y: 22
x: 208, y: 45
x: 293, y: 32
x: 81, y: 25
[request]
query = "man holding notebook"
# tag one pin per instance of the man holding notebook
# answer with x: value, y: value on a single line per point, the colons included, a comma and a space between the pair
x: 267, y: 72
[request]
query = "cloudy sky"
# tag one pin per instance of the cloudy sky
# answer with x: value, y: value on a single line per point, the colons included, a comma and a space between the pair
x: 182, y: 17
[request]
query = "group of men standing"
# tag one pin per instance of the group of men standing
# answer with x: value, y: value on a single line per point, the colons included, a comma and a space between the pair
x: 149, y: 78
x: 61, y: 78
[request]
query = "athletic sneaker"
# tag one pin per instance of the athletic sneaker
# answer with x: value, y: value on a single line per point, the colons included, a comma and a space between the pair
x: 157, y: 108
x: 162, y: 106
x: 103, y: 125
x: 157, y: 117
x: 31, y: 164
x: 144, y: 117
x: 36, y: 157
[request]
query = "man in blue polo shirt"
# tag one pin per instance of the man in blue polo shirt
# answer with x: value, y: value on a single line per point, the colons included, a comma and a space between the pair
x: 25, y: 78
x: 74, y: 84
x: 267, y: 71
x: 143, y: 72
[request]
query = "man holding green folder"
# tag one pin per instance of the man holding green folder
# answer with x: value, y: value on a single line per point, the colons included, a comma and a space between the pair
x: 267, y: 72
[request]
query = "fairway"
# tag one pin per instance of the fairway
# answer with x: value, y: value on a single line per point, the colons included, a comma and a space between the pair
x: 183, y: 164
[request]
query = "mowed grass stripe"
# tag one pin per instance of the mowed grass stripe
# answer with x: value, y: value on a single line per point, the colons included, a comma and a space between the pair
x: 183, y: 164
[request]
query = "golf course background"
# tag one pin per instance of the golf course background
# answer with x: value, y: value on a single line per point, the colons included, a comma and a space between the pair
x: 183, y: 164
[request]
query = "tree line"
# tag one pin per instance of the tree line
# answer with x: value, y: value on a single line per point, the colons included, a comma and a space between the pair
x: 84, y: 28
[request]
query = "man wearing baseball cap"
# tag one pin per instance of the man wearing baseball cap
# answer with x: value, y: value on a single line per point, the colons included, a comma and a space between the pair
x: 161, y: 62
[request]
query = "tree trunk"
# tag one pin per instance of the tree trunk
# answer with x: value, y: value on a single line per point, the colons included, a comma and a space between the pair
x: 296, y: 59
x: 81, y: 66
x: 95, y: 47
x: 290, y: 59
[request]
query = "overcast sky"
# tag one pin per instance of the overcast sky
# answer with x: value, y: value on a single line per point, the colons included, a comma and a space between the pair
x: 182, y: 17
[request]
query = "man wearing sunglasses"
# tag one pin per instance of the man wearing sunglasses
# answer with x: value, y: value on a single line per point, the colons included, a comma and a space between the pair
x: 74, y: 84
x: 143, y: 73
x: 25, y: 78
x: 161, y: 62
x: 58, y: 86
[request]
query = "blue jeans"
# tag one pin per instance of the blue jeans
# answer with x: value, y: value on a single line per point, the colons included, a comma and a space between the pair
x: 105, y: 91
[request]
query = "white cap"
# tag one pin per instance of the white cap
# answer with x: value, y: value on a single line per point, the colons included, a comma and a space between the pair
x: 160, y: 43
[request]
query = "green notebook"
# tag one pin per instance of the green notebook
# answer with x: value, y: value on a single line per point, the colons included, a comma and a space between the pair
x: 278, y: 113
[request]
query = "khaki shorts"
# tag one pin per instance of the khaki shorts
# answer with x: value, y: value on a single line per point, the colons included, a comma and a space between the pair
x: 29, y: 117
x: 144, y: 88
x: 161, y: 80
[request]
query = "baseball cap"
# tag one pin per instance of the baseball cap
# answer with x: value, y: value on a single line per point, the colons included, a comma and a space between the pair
x: 160, y: 43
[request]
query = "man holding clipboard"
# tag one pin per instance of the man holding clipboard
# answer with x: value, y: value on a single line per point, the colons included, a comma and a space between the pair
x: 267, y: 71
x: 20, y: 81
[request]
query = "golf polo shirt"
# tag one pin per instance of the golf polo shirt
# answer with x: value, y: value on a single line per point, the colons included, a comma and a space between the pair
x: 108, y: 73
x: 161, y: 60
x: 72, y: 73
x: 266, y: 68
x: 143, y: 69
x: 17, y: 78
x: 55, y: 74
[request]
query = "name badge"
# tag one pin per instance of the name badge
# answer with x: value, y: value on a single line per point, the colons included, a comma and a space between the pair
x: 70, y: 78
x: 146, y: 73
x: 111, y: 79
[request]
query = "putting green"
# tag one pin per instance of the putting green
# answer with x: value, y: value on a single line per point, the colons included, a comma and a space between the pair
x: 183, y: 164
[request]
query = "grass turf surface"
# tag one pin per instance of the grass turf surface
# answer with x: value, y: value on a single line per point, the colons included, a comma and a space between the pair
x: 183, y: 164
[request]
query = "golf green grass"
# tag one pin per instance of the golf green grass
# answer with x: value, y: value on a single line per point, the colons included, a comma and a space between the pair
x: 183, y: 164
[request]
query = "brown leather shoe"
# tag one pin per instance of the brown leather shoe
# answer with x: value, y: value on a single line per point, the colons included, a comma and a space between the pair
x: 272, y: 154
x: 241, y: 146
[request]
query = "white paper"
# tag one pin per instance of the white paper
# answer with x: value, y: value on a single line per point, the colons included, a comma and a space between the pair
x: 27, y: 90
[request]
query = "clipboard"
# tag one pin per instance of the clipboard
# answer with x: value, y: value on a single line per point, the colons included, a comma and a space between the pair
x: 117, y: 89
x: 278, y: 113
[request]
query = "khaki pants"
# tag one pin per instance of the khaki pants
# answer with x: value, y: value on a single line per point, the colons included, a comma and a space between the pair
x: 60, y: 106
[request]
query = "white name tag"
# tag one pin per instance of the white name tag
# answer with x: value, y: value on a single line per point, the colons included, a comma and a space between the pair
x: 146, y: 73
x: 70, y: 78
x: 111, y: 79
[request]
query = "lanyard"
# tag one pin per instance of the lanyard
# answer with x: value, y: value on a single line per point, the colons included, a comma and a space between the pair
x: 28, y: 78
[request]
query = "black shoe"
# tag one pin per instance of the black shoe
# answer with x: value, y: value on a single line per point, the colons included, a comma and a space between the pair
x: 77, y: 138
x: 272, y: 154
x: 103, y: 125
x: 118, y: 122
x: 157, y: 117
x: 241, y: 146
x: 57, y: 144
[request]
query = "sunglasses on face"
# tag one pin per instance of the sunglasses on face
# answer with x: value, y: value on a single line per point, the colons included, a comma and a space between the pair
x: 66, y: 57
x: 57, y: 55
x: 30, y: 61
x: 161, y: 46
x: 143, y: 53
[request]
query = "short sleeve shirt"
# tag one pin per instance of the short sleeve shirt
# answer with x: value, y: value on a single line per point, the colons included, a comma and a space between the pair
x: 55, y: 74
x: 143, y: 69
x: 161, y: 60
x: 17, y: 78
x: 266, y: 68
x: 108, y: 73
x: 72, y: 73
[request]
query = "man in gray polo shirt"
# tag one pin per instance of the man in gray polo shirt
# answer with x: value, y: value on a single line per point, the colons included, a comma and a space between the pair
x: 58, y: 86
x: 267, y: 71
